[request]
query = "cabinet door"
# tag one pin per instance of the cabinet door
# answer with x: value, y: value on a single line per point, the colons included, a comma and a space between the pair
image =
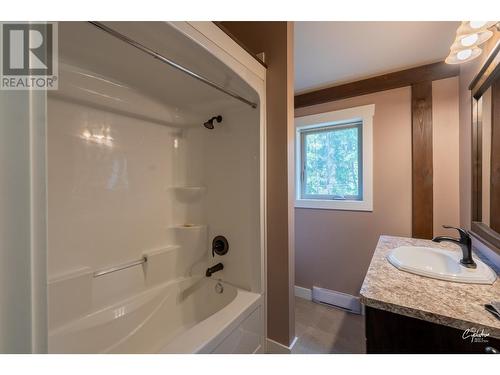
x: 390, y: 333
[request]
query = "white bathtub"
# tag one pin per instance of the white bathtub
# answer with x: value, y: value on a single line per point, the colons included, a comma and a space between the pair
x: 186, y: 316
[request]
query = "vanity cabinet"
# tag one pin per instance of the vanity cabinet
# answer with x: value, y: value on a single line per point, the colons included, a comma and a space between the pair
x: 408, y: 313
x: 391, y: 333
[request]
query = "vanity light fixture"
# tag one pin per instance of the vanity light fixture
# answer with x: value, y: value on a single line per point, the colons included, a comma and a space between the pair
x: 463, y: 55
x: 471, y: 40
x: 471, y: 26
x: 470, y: 35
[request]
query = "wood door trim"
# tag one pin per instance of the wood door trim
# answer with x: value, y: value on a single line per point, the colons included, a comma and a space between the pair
x: 495, y: 158
x: 221, y: 26
x: 402, y: 78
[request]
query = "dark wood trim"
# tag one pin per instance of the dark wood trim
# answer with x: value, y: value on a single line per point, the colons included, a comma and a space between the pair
x: 487, y: 74
x: 390, y: 333
x: 408, y: 77
x: 495, y: 157
x: 477, y: 162
x: 422, y: 171
x: 221, y: 26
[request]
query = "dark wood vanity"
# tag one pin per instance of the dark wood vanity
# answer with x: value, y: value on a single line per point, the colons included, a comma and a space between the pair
x: 408, y: 313
x: 391, y: 333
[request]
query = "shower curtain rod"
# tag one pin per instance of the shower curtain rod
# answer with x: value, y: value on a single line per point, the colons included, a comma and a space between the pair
x: 173, y: 64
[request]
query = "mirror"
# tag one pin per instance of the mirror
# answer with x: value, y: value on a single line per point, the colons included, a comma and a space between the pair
x: 486, y: 152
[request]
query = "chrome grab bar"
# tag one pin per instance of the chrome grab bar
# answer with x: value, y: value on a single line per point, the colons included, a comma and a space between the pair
x: 120, y: 267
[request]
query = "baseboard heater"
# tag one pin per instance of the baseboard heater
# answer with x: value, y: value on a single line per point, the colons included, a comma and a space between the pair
x: 340, y: 300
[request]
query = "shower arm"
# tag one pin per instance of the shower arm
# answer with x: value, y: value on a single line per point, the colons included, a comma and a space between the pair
x: 171, y: 63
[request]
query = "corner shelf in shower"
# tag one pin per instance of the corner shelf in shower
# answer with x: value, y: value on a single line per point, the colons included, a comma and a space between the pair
x: 200, y: 189
x: 188, y: 227
x: 188, y: 194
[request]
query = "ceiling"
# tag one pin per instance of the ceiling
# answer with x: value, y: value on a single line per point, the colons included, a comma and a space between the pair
x: 101, y: 69
x: 331, y: 53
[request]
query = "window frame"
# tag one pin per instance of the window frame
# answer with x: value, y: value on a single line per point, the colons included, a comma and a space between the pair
x: 361, y: 117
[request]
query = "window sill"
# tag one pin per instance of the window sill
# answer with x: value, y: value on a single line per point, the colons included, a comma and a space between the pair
x: 334, y: 204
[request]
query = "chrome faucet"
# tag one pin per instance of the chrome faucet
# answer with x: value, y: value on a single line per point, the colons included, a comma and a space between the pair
x: 465, y: 244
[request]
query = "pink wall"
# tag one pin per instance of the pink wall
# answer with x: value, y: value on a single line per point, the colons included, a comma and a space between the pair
x: 333, y: 248
x: 467, y: 73
x: 445, y: 148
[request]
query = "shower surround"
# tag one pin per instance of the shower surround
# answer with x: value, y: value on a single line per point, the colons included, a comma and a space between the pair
x: 138, y: 188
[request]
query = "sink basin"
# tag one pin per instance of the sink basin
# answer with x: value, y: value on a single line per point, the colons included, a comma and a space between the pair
x: 440, y: 264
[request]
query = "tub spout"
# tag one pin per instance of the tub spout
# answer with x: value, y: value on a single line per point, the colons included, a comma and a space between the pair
x: 213, y: 269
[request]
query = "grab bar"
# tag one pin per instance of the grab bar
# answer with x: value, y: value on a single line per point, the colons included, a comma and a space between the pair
x: 120, y: 267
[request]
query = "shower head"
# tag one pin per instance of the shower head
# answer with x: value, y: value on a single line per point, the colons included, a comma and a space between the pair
x: 210, y: 123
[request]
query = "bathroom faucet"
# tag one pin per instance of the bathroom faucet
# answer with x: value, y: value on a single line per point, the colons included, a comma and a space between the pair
x: 214, y: 269
x: 465, y: 244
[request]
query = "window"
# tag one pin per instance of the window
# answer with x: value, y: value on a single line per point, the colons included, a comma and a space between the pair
x: 334, y: 160
x: 331, y: 162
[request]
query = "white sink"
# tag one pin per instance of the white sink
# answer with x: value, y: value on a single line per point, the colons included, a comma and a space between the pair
x: 440, y: 264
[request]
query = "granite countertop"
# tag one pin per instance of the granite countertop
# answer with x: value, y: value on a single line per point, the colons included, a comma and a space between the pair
x: 452, y: 304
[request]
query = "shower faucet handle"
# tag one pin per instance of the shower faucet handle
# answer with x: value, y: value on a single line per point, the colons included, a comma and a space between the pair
x: 220, y: 246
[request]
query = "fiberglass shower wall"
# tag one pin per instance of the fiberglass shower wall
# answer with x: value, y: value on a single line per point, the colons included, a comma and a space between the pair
x: 132, y: 172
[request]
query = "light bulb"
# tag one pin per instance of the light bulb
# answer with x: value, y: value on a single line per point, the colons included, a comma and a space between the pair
x: 464, y: 55
x: 469, y: 40
x: 477, y: 24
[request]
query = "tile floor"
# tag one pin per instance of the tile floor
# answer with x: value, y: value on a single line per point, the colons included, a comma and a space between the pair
x: 323, y: 329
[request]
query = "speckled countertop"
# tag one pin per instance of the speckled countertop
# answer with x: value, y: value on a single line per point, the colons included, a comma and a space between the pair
x: 453, y: 304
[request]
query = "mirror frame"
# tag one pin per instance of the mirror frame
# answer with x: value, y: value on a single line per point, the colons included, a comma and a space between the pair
x: 489, y: 72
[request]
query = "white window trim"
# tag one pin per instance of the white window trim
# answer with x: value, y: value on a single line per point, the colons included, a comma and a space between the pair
x: 365, y: 115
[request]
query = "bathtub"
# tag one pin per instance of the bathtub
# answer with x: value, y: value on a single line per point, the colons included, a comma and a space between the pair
x: 190, y: 315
